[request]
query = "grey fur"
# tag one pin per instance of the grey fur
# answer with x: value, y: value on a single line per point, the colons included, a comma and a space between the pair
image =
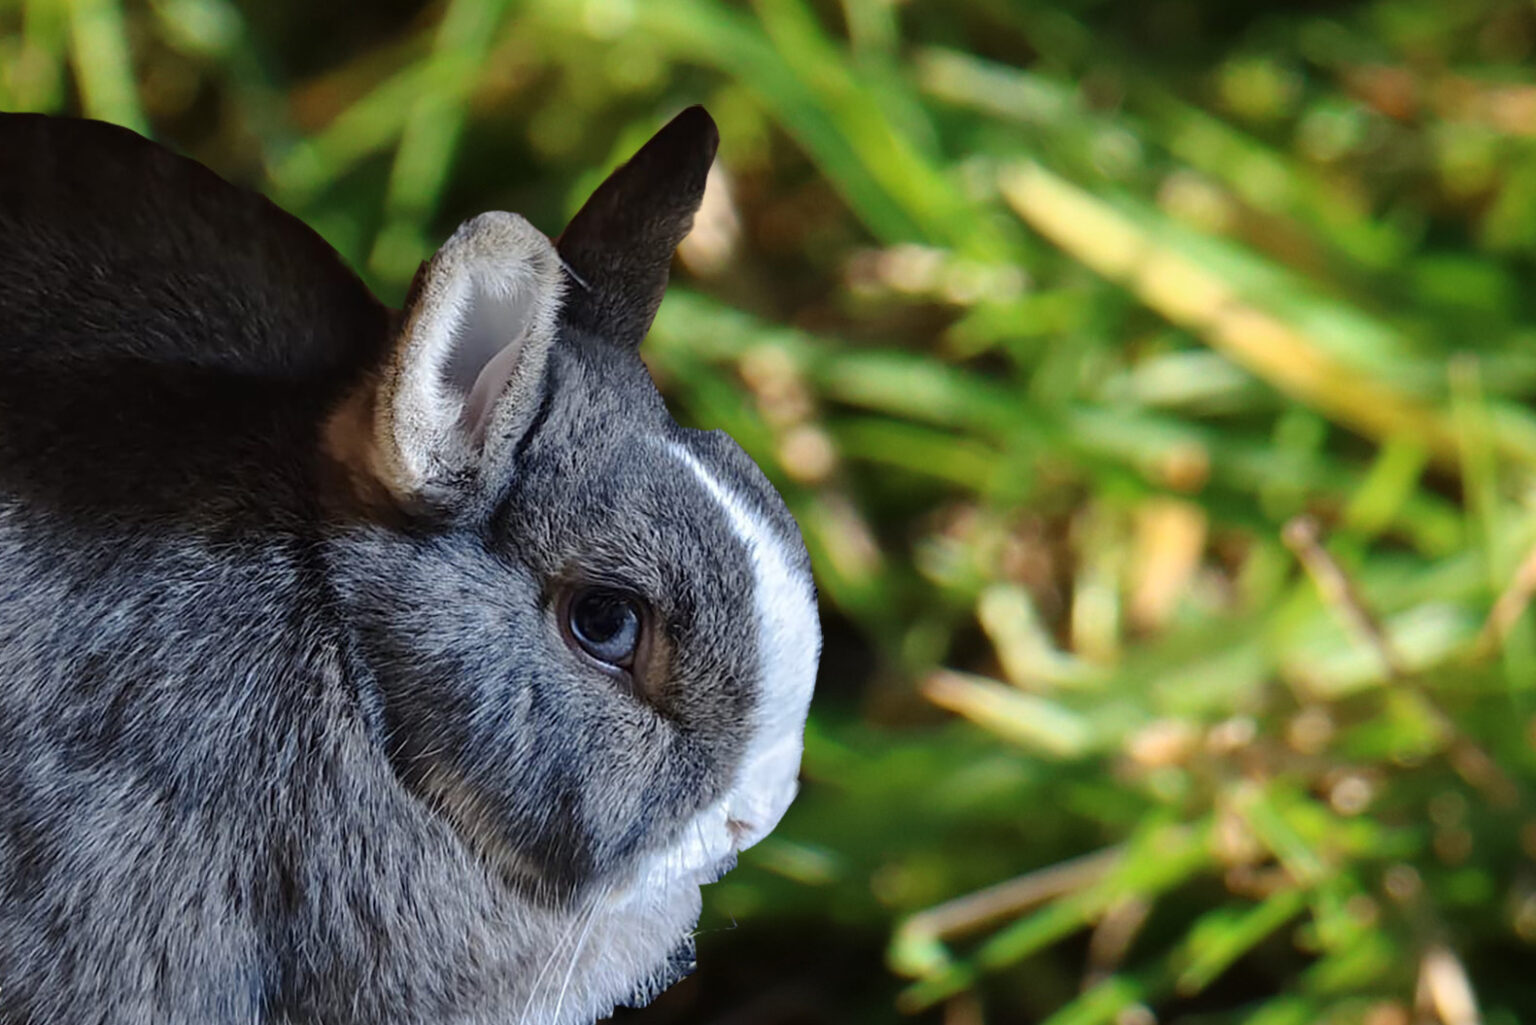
x: 286, y: 735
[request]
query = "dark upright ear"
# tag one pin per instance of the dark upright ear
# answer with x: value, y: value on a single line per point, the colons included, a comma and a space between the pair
x: 619, y: 246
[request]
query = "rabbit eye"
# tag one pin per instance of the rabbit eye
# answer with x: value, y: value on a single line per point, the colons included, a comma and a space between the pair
x: 606, y: 624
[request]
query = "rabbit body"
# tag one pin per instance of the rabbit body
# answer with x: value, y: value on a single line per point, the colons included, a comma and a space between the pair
x: 293, y: 727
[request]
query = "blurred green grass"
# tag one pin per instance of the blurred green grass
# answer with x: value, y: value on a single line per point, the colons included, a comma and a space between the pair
x: 1152, y: 383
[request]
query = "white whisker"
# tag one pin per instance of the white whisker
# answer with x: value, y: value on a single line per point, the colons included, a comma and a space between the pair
x: 554, y: 954
x: 576, y: 955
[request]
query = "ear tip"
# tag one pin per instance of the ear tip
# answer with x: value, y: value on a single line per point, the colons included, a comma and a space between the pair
x: 696, y: 123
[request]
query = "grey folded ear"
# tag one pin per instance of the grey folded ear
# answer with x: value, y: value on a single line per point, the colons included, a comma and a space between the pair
x: 462, y: 383
x: 619, y: 245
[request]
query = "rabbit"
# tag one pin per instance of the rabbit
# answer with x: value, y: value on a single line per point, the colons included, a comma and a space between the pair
x: 360, y: 666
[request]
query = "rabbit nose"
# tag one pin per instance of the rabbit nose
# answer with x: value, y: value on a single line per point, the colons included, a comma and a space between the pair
x: 763, y: 793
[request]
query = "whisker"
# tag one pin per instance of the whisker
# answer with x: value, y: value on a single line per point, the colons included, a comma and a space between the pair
x: 538, y: 982
x: 576, y: 956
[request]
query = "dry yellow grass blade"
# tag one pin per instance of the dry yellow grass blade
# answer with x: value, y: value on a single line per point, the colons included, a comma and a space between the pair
x: 1198, y: 299
x: 1037, y: 723
x: 1170, y: 539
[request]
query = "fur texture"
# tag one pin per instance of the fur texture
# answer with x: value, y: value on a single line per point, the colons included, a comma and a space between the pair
x: 291, y: 727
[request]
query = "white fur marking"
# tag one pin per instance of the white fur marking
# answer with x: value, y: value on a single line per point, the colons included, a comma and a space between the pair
x: 789, y: 643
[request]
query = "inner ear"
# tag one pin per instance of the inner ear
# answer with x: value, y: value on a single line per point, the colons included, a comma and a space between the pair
x: 487, y: 348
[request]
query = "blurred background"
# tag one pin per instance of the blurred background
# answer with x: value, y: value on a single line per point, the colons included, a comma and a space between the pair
x: 1151, y: 382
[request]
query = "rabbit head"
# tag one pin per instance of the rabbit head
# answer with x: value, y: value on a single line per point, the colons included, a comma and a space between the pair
x: 591, y: 634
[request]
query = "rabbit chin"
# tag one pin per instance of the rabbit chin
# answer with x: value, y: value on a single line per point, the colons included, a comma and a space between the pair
x: 639, y: 933
x: 623, y: 947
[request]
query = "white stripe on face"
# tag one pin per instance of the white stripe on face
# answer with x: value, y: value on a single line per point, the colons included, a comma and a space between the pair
x: 789, y: 645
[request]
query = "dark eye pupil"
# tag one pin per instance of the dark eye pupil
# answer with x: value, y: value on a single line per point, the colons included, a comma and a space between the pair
x: 607, y: 625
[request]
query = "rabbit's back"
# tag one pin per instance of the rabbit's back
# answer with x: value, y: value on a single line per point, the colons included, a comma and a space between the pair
x: 114, y: 247
x: 169, y: 342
